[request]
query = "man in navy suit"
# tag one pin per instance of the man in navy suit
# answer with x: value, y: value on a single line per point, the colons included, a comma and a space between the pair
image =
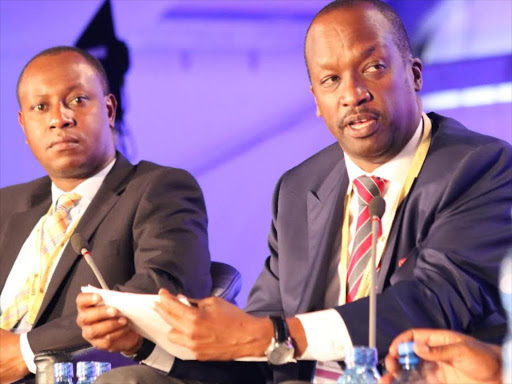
x: 446, y: 228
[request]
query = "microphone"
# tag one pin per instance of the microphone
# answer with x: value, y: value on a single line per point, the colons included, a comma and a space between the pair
x: 376, y: 209
x: 81, y: 246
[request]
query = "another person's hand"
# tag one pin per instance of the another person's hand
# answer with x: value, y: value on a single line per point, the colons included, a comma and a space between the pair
x: 103, y: 327
x: 456, y: 358
x: 12, y: 365
x: 214, y: 329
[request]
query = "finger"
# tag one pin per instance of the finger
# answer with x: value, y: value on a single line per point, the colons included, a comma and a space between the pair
x: 177, y: 311
x: 84, y: 300
x: 179, y: 338
x: 431, y: 337
x: 441, y: 353
x: 173, y: 318
x: 103, y: 328
x: 434, y: 337
x: 93, y: 315
x: 197, y: 345
x: 392, y: 365
x: 386, y: 379
x: 185, y: 300
x: 121, y: 340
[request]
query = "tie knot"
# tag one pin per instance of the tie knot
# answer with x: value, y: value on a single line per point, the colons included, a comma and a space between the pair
x: 368, y: 187
x: 66, y: 201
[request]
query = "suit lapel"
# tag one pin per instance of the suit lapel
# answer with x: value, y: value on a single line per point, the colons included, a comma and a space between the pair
x: 392, y: 244
x: 21, y: 225
x: 105, y: 199
x: 325, y: 216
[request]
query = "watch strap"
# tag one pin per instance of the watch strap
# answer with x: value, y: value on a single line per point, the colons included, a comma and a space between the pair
x: 281, y: 333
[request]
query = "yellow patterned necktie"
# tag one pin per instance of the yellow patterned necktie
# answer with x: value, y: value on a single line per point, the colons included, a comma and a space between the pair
x: 51, y: 236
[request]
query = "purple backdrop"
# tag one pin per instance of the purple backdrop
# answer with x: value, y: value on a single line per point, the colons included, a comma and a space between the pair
x: 220, y: 88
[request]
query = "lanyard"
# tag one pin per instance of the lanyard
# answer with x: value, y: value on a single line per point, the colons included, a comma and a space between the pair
x: 414, y: 170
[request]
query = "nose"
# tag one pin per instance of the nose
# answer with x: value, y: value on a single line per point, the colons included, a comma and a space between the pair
x: 354, y: 92
x: 61, y: 117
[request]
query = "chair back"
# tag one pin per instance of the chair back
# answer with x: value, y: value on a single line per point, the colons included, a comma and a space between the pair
x: 226, y: 281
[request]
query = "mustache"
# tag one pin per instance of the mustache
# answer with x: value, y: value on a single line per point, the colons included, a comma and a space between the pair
x: 358, y: 113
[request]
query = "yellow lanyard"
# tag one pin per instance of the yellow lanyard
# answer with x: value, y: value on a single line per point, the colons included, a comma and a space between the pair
x: 414, y: 170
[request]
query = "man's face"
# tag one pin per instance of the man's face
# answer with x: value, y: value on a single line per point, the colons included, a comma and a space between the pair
x: 66, y: 118
x: 363, y: 87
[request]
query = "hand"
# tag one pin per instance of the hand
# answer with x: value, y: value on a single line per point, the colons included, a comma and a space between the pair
x: 12, y: 365
x: 104, y: 327
x: 456, y: 358
x: 213, y: 328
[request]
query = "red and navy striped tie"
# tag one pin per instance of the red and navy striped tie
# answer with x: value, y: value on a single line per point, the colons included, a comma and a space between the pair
x: 367, y: 188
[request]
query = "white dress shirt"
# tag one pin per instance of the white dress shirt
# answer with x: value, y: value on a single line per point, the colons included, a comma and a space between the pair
x: 326, y: 332
x: 28, y: 258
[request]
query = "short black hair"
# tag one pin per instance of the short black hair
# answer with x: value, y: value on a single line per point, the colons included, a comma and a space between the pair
x: 397, y: 26
x: 91, y: 60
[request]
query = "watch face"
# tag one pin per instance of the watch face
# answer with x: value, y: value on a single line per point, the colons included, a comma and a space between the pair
x: 281, y: 354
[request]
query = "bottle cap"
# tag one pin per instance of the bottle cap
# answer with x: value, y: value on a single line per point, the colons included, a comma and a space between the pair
x: 361, y: 356
x: 371, y: 356
x: 405, y: 348
x: 407, y: 355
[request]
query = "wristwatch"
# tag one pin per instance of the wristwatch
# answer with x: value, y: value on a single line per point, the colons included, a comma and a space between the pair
x: 280, y: 350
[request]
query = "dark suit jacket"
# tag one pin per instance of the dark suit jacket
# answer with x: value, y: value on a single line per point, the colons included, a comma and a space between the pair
x: 453, y: 228
x: 147, y: 229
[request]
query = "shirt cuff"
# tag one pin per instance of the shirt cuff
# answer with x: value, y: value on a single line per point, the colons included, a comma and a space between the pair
x: 327, y: 335
x: 27, y: 353
x: 160, y: 360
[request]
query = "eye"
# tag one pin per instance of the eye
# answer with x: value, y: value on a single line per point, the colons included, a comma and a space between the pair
x: 39, y: 107
x: 330, y: 80
x: 375, y: 68
x: 78, y: 100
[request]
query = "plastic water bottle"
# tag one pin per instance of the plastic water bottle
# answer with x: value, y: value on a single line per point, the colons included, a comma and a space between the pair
x: 361, y: 365
x: 411, y: 365
x: 63, y: 373
x: 506, y: 301
x: 86, y: 372
x: 101, y: 367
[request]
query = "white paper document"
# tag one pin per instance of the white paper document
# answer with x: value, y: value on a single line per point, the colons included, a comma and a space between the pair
x: 139, y: 309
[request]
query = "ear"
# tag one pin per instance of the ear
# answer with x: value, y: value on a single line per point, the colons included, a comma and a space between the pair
x: 111, y: 103
x: 417, y: 67
x: 21, y: 122
x: 318, y: 113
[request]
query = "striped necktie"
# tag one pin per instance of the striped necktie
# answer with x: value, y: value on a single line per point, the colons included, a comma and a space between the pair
x: 367, y: 188
x: 52, y: 235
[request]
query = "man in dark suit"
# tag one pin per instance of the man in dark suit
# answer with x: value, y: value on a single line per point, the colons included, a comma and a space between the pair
x: 447, y: 224
x: 146, y: 225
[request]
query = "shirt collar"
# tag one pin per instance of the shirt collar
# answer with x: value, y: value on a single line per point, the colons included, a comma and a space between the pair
x: 396, y: 169
x: 87, y: 188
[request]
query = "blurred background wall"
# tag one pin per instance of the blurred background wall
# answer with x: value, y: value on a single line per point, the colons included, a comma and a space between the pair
x: 220, y: 88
